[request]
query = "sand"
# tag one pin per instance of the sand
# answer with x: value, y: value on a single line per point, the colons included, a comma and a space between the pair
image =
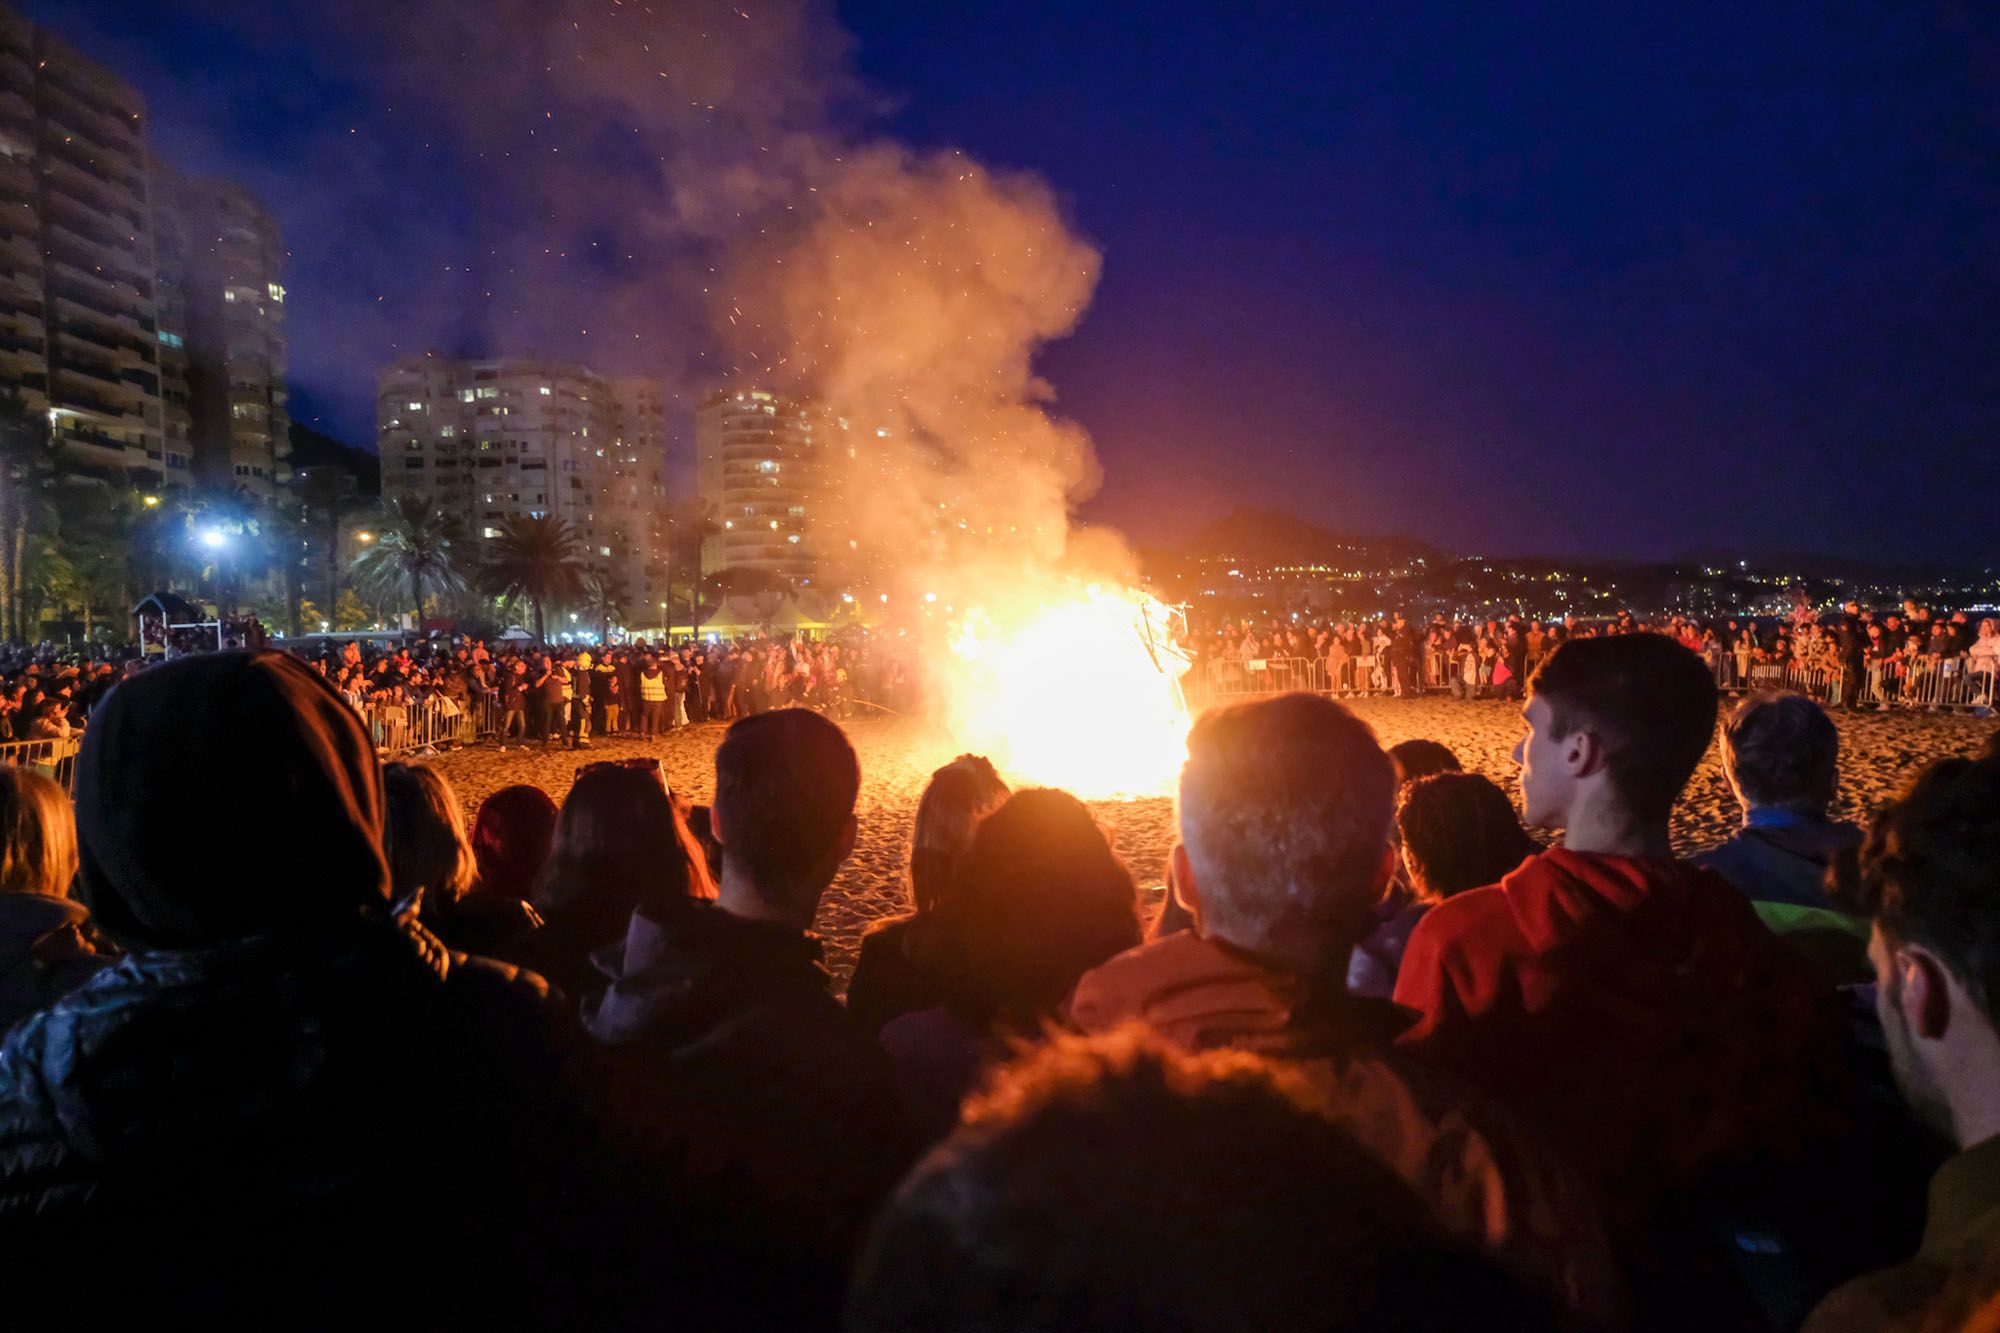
x: 1879, y: 753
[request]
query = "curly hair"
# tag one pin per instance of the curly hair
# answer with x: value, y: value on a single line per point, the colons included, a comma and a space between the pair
x: 1459, y: 831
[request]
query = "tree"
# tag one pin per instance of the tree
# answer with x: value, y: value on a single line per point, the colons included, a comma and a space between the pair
x: 417, y: 546
x: 689, y: 528
x: 605, y: 597
x: 95, y: 526
x: 539, y: 559
x: 224, y: 529
x: 27, y: 470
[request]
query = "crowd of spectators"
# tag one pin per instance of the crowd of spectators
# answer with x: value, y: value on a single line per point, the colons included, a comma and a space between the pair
x: 294, y: 1041
x: 1890, y: 653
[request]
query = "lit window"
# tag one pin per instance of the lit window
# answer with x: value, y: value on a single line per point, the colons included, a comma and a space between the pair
x: 489, y: 531
x: 447, y: 432
x: 728, y: 523
x: 465, y: 395
x: 171, y: 339
x: 277, y: 293
x: 229, y: 296
x: 488, y: 392
x: 416, y: 407
x: 547, y: 391
x: 604, y: 550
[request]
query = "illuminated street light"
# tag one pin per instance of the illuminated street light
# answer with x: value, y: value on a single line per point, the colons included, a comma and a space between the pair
x: 152, y: 501
x: 214, y: 538
x: 364, y: 537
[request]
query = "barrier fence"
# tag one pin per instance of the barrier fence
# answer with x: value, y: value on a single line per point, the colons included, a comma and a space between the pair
x: 1949, y: 683
x: 51, y: 758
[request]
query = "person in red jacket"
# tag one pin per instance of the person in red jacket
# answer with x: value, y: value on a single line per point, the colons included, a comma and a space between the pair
x: 1631, y: 1004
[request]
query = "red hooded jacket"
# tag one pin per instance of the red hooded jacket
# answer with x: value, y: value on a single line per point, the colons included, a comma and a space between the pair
x: 1636, y: 1010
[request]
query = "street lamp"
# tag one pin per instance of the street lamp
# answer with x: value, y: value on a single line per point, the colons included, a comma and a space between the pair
x: 213, y: 538
x: 364, y: 537
x: 151, y: 501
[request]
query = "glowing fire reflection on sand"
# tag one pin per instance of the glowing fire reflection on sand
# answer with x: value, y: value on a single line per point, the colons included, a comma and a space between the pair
x: 1079, y: 691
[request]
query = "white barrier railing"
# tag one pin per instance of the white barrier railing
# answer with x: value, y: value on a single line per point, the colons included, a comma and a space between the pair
x: 54, y: 758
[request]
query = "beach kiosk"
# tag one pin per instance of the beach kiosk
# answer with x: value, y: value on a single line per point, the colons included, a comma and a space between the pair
x: 162, y: 615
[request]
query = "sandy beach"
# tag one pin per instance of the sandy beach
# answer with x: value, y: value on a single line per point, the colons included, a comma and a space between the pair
x: 1879, y: 753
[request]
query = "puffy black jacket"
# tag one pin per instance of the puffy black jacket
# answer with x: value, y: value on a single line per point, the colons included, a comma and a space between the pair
x: 256, y: 1121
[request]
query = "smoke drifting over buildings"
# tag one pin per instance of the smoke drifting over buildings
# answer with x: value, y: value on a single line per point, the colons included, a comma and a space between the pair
x: 693, y: 190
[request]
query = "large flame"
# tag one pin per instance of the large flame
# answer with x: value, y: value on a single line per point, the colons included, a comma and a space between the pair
x: 1078, y: 690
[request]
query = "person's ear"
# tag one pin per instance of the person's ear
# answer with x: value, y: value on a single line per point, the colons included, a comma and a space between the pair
x: 1183, y: 884
x: 849, y: 831
x: 1583, y: 752
x: 1923, y: 992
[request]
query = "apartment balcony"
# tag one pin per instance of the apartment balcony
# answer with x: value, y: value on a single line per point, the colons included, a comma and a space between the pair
x: 96, y: 299
x: 93, y: 227
x: 94, y: 191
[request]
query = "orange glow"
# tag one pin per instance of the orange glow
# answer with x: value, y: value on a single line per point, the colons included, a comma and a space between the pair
x: 1065, y: 692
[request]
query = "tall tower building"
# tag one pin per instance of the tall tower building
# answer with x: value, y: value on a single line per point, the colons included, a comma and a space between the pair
x: 497, y: 439
x: 754, y: 462
x: 635, y: 494
x: 78, y: 326
x: 222, y: 274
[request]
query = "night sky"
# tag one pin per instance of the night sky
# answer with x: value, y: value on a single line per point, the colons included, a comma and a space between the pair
x: 1551, y: 279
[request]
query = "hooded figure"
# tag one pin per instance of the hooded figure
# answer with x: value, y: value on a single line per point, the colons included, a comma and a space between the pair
x: 283, y: 1084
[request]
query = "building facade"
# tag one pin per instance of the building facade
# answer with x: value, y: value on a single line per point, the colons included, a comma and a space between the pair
x: 491, y: 440
x: 77, y: 303
x: 140, y: 310
x: 756, y: 459
x: 222, y: 318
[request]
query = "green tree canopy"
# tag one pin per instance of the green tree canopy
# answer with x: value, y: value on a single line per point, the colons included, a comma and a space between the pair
x: 538, y: 559
x: 417, y: 546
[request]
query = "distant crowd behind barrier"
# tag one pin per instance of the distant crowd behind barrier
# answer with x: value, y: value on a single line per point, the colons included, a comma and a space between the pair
x: 1912, y: 658
x: 439, y: 692
x: 430, y: 694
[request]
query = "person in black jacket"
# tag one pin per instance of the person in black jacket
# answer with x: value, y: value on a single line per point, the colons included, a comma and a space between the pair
x: 285, y: 1106
x: 731, y: 1058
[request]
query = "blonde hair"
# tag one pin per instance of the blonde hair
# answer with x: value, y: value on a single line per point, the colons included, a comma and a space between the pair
x: 424, y: 835
x: 37, y: 834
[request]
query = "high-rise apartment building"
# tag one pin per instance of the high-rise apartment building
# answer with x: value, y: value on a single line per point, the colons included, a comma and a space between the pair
x: 142, y: 311
x: 77, y: 300
x: 221, y: 271
x: 755, y: 457
x: 491, y: 440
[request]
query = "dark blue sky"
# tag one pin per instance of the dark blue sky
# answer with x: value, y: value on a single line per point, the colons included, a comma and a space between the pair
x: 1575, y: 279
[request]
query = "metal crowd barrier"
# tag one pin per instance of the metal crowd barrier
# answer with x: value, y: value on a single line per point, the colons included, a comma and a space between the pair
x: 53, y: 758
x: 1222, y: 679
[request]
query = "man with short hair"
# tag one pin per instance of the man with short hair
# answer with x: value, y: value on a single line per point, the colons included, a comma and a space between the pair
x: 731, y: 1056
x: 1781, y: 754
x: 1285, y: 809
x: 1931, y: 870
x: 1632, y: 1004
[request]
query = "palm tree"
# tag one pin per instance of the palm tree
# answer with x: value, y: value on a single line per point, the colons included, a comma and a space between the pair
x: 416, y: 545
x: 689, y: 527
x: 539, y: 559
x: 604, y: 596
